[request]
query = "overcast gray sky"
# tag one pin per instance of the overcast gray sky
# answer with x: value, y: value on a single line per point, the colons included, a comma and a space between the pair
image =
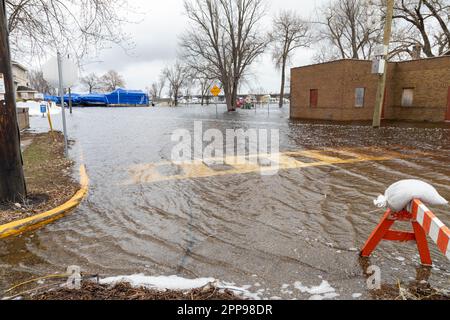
x: 156, y: 39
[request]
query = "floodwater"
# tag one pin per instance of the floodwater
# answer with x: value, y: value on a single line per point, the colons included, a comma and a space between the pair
x: 270, y: 234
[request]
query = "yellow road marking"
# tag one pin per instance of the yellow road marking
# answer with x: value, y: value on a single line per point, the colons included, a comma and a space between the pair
x: 37, y: 221
x: 148, y: 173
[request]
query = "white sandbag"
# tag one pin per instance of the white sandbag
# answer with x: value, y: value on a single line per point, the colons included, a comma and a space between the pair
x: 400, y: 194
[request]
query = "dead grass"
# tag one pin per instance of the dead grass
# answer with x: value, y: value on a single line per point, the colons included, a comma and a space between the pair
x: 124, y: 291
x: 48, y: 178
x: 413, y: 291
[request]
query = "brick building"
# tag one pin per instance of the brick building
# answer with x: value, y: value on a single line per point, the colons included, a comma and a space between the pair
x: 345, y: 90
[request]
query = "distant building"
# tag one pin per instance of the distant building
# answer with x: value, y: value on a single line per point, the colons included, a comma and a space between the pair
x: 20, y: 75
x: 21, y: 82
x: 25, y: 93
x: 345, y: 90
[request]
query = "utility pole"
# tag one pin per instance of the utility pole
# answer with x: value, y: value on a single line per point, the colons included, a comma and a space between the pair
x: 382, y: 78
x: 12, y: 180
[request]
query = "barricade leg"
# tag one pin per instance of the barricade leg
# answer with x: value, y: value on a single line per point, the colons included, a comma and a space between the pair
x: 377, y: 235
x: 422, y: 244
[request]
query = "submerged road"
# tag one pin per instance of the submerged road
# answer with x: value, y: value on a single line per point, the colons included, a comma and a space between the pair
x: 276, y: 235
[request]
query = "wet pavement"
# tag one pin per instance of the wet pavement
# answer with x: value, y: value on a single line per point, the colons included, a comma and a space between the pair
x: 274, y: 235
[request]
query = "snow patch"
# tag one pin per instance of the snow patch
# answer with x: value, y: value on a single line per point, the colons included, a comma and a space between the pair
x: 163, y: 283
x: 239, y: 291
x: 159, y: 283
x: 321, y: 292
x: 35, y: 108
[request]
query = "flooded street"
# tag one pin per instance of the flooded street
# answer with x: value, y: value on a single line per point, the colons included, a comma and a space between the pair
x: 272, y: 235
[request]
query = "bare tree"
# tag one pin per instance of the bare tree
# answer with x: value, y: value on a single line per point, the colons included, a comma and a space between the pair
x: 224, y: 38
x: 350, y: 29
x: 289, y: 32
x: 205, y: 84
x: 203, y: 79
x: 79, y: 26
x: 92, y: 82
x: 428, y: 24
x: 153, y: 91
x: 161, y: 85
x: 157, y: 87
x: 38, y: 83
x: 111, y: 81
x: 177, y: 76
x: 440, y: 10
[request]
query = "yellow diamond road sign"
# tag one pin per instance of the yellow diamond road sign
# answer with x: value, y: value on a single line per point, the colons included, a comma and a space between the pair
x: 215, y: 91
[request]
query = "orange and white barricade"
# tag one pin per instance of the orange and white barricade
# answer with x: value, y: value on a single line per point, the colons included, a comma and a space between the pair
x: 432, y: 226
x: 424, y: 223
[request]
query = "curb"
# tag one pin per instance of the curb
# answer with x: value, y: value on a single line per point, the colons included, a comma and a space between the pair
x: 17, y: 227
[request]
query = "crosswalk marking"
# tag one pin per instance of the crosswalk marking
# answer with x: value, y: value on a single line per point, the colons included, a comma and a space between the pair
x: 153, y: 172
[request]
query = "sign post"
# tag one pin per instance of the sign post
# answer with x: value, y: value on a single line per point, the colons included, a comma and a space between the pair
x: 43, y: 110
x: 70, y: 100
x: 215, y: 92
x: 62, y: 73
x: 63, y: 108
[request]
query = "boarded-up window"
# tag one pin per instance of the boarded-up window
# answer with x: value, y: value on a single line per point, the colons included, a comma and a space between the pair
x: 407, y: 97
x: 359, y: 97
x: 313, y: 98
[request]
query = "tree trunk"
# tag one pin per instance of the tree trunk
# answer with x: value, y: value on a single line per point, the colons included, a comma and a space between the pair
x: 12, y: 180
x: 175, y: 98
x: 228, y: 99
x: 427, y: 45
x: 234, y: 95
x: 283, y: 81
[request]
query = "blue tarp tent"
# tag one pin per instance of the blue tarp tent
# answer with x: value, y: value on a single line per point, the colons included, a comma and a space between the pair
x: 127, y: 97
x: 75, y: 98
x: 118, y: 97
x: 92, y: 99
x: 55, y: 99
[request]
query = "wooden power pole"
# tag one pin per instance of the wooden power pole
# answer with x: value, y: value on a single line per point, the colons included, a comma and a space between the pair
x: 12, y: 180
x: 382, y: 80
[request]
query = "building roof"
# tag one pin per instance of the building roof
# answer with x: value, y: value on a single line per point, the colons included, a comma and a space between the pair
x: 444, y: 56
x: 333, y: 61
x: 18, y: 65
x: 25, y: 89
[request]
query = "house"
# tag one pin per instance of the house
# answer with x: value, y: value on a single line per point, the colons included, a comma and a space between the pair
x: 26, y: 93
x: 345, y: 90
x: 21, y: 83
x: 20, y: 74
